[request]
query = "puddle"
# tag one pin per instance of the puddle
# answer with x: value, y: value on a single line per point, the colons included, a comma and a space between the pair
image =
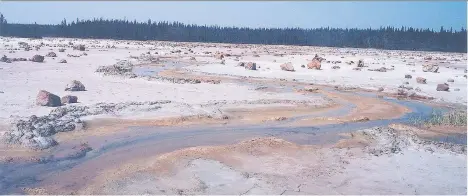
x: 153, y: 70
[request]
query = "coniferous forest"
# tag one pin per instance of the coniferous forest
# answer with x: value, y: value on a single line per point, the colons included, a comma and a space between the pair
x: 393, y: 38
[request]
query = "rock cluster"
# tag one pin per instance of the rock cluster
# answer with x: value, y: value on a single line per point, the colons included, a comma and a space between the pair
x: 36, y: 132
x: 121, y: 68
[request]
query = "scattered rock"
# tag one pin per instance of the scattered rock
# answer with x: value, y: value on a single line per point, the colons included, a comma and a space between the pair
x: 219, y: 56
x: 37, y: 58
x: 357, y: 69
x: 251, y: 66
x: 382, y: 69
x: 193, y: 59
x: 336, y: 67
x: 360, y: 63
x: 380, y: 89
x: 281, y: 118
x: 361, y: 119
x: 430, y: 68
x: 45, y: 98
x: 69, y: 99
x: 75, y: 85
x: 287, y: 67
x: 421, y: 80
x: 315, y: 64
x: 442, y: 87
x: 51, y: 54
x: 4, y: 58
x: 79, y: 47
x: 408, y: 76
x: 61, y: 50
x: 417, y: 89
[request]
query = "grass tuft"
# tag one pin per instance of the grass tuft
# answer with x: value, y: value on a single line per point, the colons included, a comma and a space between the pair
x: 437, y: 117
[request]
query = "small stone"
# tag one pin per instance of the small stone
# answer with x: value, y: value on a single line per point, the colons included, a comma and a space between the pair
x: 37, y: 58
x: 51, y: 54
x: 75, y: 85
x: 421, y: 80
x: 69, y: 99
x: 442, y: 87
x: 408, y: 76
x: 450, y: 80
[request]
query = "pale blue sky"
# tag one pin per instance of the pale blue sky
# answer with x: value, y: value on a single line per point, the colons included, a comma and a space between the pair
x: 250, y: 14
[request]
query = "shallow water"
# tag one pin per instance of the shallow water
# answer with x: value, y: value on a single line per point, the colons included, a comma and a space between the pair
x: 152, y: 70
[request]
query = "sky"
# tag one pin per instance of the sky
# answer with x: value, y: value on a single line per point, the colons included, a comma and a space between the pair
x: 304, y: 14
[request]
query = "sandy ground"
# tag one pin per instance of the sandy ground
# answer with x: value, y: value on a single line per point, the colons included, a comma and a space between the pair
x: 275, y: 166
x: 370, y: 161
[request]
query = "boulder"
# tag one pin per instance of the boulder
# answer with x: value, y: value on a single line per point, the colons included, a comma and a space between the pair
x: 37, y: 58
x: 380, y: 89
x: 75, y: 85
x: 251, y: 66
x: 303, y: 66
x: 450, y: 80
x: 287, y: 67
x: 51, y: 54
x: 45, y: 98
x: 357, y: 69
x: 63, y: 61
x: 442, y: 87
x: 61, y: 50
x: 430, y: 68
x: 69, y: 99
x: 241, y: 64
x: 314, y: 64
x: 408, y: 76
x: 421, y: 80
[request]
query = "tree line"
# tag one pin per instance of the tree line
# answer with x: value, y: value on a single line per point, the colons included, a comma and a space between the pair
x: 392, y: 38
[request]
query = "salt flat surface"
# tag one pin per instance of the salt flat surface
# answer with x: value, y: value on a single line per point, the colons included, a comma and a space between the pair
x: 20, y: 81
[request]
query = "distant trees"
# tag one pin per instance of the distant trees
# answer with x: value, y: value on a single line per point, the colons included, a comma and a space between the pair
x: 404, y: 38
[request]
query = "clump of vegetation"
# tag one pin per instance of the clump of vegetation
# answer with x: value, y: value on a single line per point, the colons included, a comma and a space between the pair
x: 437, y: 117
